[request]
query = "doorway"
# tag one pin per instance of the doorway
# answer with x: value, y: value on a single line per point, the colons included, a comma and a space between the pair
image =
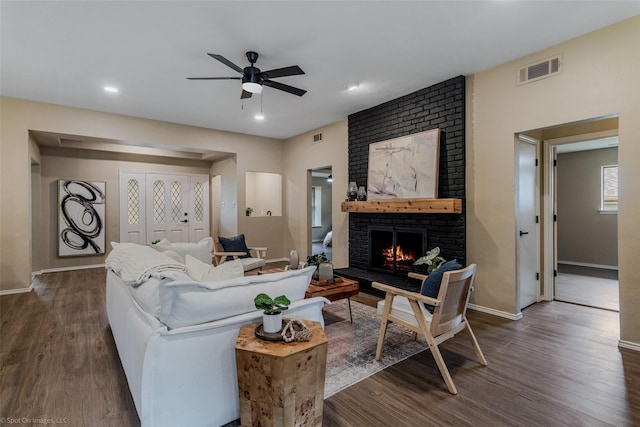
x: 321, y: 212
x: 552, y: 239
x: 587, y: 236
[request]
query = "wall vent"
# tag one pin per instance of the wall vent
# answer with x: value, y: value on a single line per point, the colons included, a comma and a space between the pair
x: 540, y: 70
x: 317, y: 137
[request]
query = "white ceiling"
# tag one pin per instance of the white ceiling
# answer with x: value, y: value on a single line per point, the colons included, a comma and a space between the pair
x: 64, y: 52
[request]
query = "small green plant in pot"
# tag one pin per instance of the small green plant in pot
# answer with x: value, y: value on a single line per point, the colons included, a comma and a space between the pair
x: 432, y: 259
x: 272, y: 311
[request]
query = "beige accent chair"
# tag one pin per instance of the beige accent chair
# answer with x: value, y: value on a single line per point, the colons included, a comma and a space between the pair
x: 254, y: 262
x: 407, y: 308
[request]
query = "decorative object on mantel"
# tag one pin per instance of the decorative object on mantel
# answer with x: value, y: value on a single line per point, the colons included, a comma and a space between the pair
x: 352, y: 191
x: 362, y: 194
x: 449, y: 206
x: 432, y: 260
x: 272, y: 316
x: 405, y: 167
x: 296, y: 330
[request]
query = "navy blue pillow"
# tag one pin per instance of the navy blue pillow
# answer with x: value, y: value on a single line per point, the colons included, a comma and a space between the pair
x: 234, y: 244
x: 431, y: 285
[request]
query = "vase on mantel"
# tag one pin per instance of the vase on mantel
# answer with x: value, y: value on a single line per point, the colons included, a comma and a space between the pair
x: 352, y: 191
x: 362, y: 194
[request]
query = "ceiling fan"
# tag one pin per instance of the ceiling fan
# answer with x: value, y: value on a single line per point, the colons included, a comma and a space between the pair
x: 253, y: 79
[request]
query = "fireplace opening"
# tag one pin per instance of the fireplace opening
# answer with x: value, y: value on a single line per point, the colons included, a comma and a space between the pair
x: 394, y: 249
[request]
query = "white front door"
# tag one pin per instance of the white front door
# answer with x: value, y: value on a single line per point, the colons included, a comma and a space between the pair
x: 198, y: 207
x: 132, y: 208
x: 167, y: 207
x: 526, y: 227
x: 154, y: 206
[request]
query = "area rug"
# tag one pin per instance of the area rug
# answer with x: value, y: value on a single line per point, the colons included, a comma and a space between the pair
x: 352, y: 346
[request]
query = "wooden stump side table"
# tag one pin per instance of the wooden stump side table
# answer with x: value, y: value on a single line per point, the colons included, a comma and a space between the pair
x: 281, y: 384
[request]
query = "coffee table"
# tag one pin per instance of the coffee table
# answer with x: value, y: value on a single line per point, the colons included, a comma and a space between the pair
x: 341, y: 288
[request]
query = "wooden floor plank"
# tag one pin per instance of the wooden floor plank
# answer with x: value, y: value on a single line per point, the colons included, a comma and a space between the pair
x: 559, y: 365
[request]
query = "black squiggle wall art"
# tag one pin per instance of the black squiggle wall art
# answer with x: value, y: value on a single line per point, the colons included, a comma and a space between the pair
x: 81, y: 218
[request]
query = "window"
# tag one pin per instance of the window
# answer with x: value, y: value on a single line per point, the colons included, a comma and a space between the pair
x: 316, y: 206
x: 609, y: 183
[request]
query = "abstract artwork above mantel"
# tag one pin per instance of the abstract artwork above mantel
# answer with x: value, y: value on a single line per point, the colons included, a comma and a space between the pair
x: 404, y: 167
x: 81, y: 218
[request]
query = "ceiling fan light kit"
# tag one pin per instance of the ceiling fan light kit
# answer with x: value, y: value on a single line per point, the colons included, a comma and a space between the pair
x: 253, y: 79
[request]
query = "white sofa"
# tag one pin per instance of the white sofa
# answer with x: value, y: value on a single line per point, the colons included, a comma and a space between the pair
x: 176, y: 338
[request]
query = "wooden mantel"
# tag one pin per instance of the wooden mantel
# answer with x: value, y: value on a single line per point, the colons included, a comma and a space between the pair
x: 451, y: 206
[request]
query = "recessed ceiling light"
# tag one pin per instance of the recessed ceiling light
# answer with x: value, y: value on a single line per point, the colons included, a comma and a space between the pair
x: 258, y: 117
x: 111, y: 89
x: 352, y: 86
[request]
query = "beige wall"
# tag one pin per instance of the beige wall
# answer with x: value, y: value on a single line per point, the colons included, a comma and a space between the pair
x: 599, y: 78
x: 301, y: 155
x: 584, y: 234
x: 17, y: 117
x: 71, y: 164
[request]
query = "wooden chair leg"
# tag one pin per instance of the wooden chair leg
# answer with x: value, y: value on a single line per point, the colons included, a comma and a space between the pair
x: 474, y: 343
x: 435, y: 351
x: 414, y: 336
x: 388, y: 302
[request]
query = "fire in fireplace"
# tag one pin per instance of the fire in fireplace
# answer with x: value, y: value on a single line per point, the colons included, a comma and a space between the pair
x: 394, y: 249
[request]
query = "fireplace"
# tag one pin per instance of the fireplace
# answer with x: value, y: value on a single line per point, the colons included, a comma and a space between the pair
x: 395, y: 249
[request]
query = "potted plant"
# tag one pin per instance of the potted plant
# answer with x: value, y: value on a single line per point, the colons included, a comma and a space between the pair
x: 272, y: 311
x: 432, y: 259
x: 316, y: 260
x: 248, y: 211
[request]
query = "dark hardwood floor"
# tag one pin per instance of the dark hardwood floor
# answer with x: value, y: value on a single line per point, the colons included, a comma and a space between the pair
x: 559, y: 365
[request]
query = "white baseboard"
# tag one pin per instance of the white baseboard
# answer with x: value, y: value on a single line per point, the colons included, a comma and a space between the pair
x: 629, y: 345
x: 16, y: 291
x: 586, y: 264
x: 495, y: 312
x: 78, y: 267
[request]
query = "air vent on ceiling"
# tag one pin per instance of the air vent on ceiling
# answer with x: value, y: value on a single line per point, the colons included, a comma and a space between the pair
x: 317, y: 137
x: 540, y: 70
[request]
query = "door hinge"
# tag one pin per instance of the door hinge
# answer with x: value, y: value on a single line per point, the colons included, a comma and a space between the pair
x: 537, y: 276
x: 537, y: 219
x: 536, y: 162
x: 555, y: 273
x: 555, y: 217
x: 555, y: 162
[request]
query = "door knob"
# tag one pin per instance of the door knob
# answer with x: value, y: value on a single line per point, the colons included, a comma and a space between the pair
x: 185, y: 220
x: 523, y: 232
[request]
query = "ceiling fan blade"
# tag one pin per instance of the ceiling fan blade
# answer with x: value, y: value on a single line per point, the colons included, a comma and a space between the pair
x: 225, y: 61
x: 283, y: 87
x: 294, y: 70
x: 245, y: 94
x: 214, y: 78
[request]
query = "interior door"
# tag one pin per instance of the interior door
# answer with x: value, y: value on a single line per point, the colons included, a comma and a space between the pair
x: 526, y: 232
x: 167, y: 207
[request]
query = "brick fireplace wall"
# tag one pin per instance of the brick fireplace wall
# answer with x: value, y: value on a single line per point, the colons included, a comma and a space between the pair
x: 439, y: 106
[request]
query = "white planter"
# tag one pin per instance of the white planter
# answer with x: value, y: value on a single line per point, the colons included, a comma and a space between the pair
x: 272, y: 323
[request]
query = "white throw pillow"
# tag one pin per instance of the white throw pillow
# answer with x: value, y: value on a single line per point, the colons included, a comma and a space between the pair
x: 201, y: 250
x: 174, y: 255
x: 204, y: 272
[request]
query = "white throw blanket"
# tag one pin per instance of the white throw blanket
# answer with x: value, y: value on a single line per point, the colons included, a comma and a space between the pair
x: 135, y: 264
